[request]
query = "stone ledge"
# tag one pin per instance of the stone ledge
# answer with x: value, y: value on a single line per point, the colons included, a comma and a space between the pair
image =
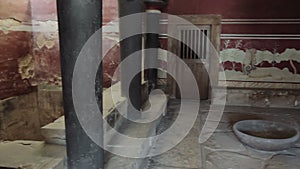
x: 54, y: 133
x: 263, y: 98
x: 145, y: 130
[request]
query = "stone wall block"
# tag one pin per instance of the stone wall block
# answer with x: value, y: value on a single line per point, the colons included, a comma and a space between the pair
x: 50, y: 104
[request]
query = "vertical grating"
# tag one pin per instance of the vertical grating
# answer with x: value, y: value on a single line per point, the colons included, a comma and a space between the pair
x: 194, y: 43
x: 181, y: 48
x: 205, y: 44
x: 197, y: 44
x: 185, y: 41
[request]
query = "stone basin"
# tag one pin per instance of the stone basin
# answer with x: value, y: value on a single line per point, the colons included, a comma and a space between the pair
x: 266, y: 135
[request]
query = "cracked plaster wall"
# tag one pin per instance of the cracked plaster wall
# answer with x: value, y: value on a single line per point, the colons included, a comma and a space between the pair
x: 29, y: 61
x: 29, y: 30
x: 29, y: 53
x: 30, y: 65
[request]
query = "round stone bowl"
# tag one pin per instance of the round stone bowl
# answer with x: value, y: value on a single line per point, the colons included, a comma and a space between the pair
x: 266, y: 135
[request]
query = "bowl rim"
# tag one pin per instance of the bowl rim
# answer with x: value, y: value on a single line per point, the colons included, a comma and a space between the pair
x: 293, y: 138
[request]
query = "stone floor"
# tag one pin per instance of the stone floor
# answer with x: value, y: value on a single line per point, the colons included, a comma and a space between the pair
x: 31, y: 155
x: 223, y: 150
x: 186, y: 154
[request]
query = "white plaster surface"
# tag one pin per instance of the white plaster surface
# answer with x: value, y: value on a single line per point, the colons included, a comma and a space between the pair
x: 232, y: 55
x: 35, y: 26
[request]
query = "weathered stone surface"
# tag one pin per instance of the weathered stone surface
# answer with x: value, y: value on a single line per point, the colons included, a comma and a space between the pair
x: 186, y: 154
x: 225, y: 141
x: 31, y: 155
x: 225, y: 160
x: 50, y: 104
x: 283, y: 162
x: 54, y: 133
x: 223, y: 150
x: 263, y: 98
x: 20, y: 118
x: 115, y: 143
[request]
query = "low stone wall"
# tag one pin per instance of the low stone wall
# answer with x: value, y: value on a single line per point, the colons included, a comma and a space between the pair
x: 278, y: 98
x: 21, y: 117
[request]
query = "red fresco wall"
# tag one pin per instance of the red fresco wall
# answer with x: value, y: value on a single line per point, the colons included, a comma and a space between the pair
x: 24, y: 59
x: 110, y: 10
x: 29, y: 55
x: 237, y: 9
x: 41, y: 48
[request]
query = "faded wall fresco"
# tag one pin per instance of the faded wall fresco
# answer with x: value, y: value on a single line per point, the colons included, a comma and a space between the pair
x: 269, y: 61
x: 271, y: 27
x: 29, y: 53
x: 275, y: 47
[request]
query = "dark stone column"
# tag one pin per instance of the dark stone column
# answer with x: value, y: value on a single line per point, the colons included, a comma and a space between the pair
x: 78, y: 20
x: 152, y: 39
x: 129, y: 46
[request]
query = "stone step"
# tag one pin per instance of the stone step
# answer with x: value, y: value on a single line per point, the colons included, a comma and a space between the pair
x: 54, y: 133
x: 31, y: 154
